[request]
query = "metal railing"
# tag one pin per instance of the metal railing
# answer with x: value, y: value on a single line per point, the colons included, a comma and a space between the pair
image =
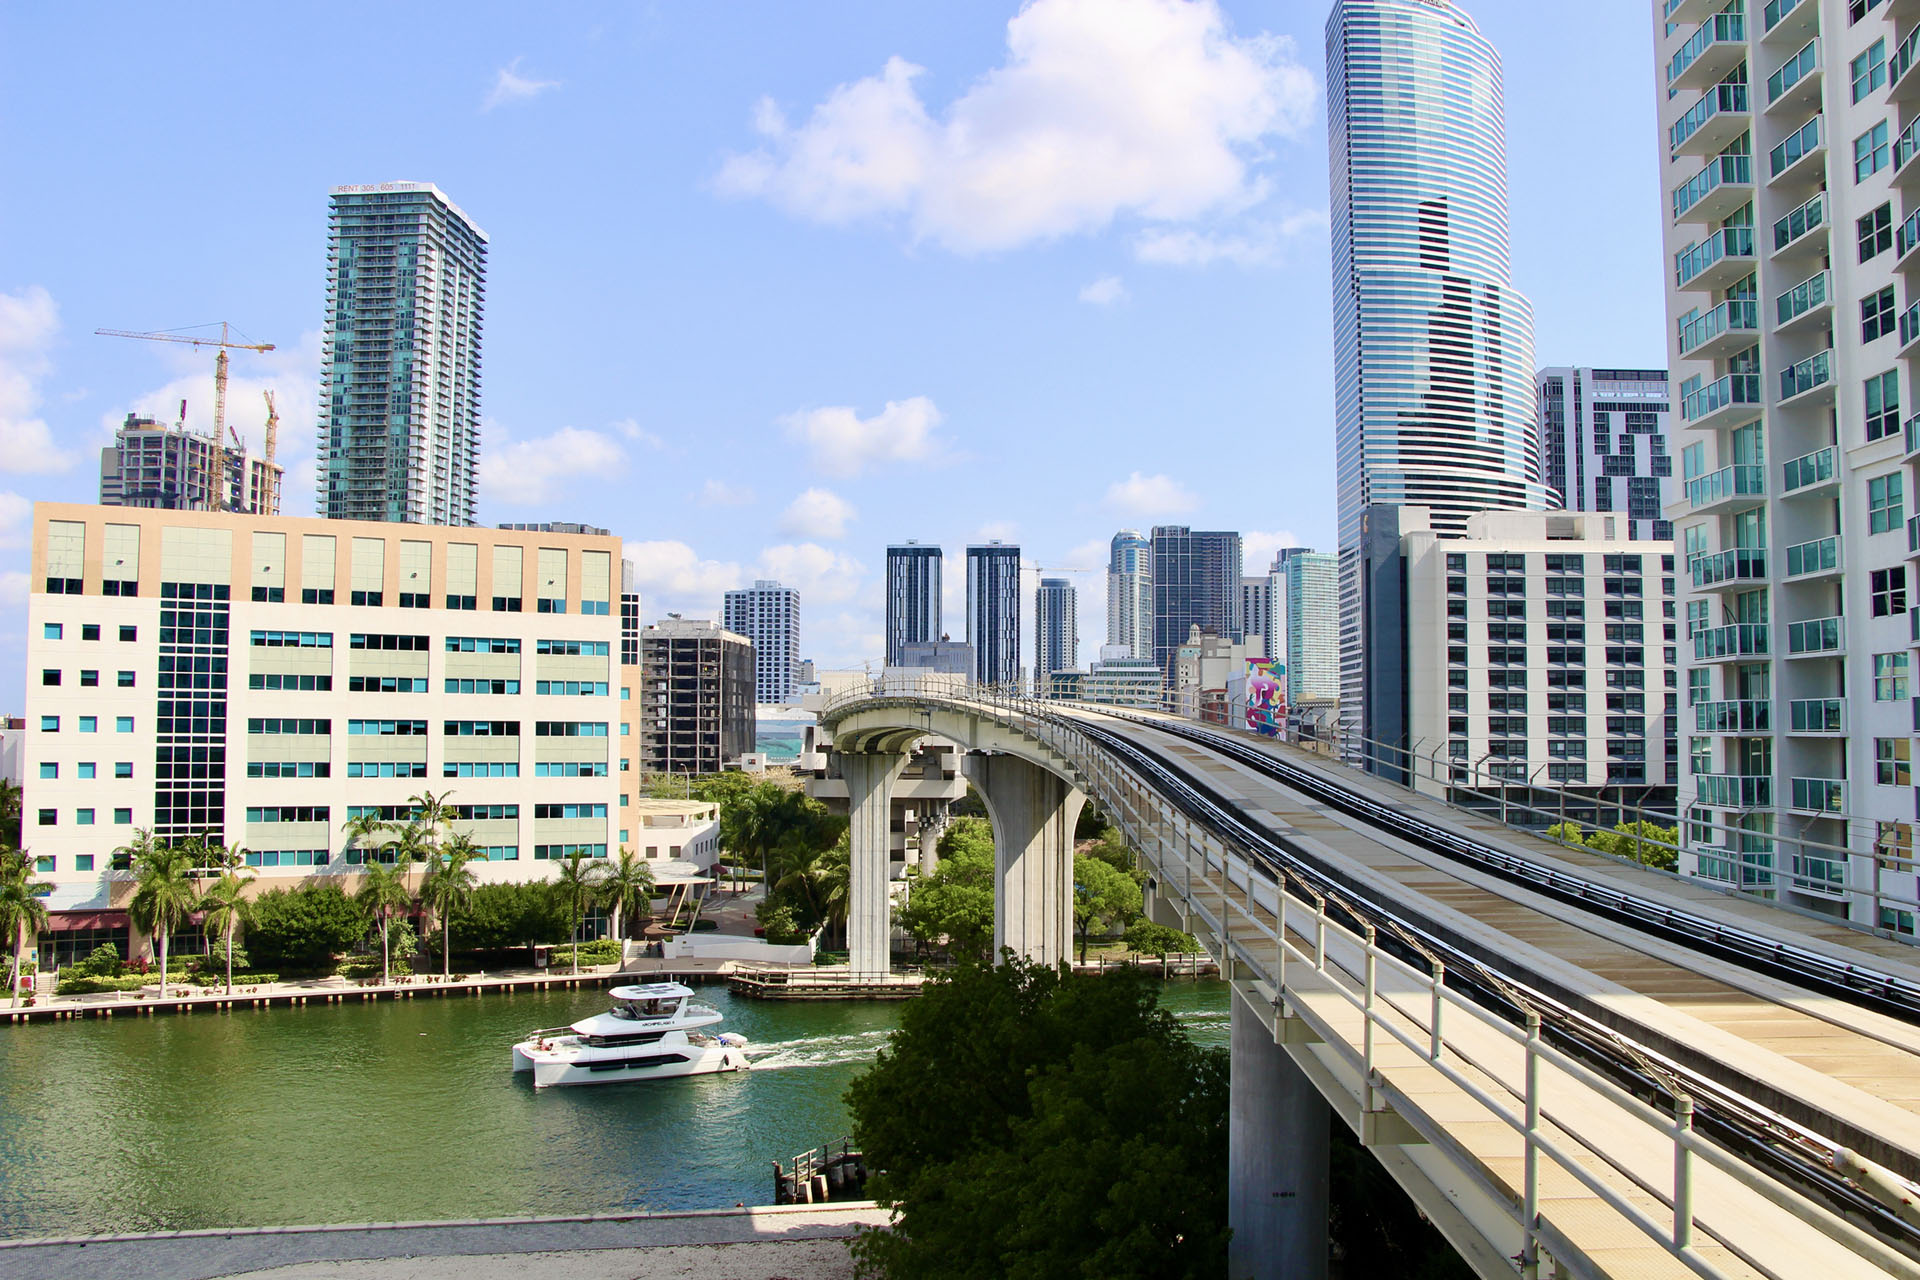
x: 1339, y: 971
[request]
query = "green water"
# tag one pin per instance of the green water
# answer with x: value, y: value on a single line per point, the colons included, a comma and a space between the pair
x: 390, y: 1112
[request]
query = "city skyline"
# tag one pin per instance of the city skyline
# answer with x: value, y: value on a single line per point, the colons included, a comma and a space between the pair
x: 1186, y: 293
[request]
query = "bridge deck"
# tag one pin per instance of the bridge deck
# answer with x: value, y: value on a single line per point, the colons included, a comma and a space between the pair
x: 1806, y: 1055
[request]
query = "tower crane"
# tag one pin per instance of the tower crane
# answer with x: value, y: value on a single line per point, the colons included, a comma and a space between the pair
x: 223, y: 343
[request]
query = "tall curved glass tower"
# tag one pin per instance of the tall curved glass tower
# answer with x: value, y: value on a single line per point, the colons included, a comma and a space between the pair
x: 1130, y: 593
x: 1434, y: 401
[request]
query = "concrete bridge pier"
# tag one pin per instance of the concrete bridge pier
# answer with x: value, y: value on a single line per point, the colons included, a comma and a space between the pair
x: 870, y: 776
x: 1277, y: 1148
x: 1034, y: 812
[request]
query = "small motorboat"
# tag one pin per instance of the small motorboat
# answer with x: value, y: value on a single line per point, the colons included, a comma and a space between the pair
x: 650, y: 1032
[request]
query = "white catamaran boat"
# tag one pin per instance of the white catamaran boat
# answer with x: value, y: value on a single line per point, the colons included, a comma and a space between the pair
x: 648, y: 1034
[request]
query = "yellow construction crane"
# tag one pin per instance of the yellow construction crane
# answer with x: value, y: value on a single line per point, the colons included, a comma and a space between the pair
x: 223, y: 342
x: 273, y: 444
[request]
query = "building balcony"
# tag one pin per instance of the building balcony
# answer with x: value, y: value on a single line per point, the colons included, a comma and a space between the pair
x: 1800, y: 158
x: 1901, y: 10
x: 1745, y: 716
x: 1906, y: 174
x: 1803, y: 230
x: 1734, y: 488
x: 1786, y: 19
x: 1733, y: 570
x: 1810, y: 381
x: 1817, y: 559
x: 1734, y: 643
x: 1825, y: 877
x: 1734, y: 790
x: 1721, y: 115
x: 1818, y: 795
x: 1902, y: 84
x: 1723, y: 185
x: 1816, y: 638
x: 1733, y: 398
x: 1807, y: 303
x: 1909, y: 328
x: 1682, y: 12
x: 1720, y: 260
x: 1913, y: 537
x: 1910, y: 437
x: 1810, y: 473
x: 1817, y: 717
x: 1797, y: 82
x: 1709, y: 53
x: 1732, y: 326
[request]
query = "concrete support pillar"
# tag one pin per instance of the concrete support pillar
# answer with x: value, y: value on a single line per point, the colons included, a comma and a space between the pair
x: 1033, y: 812
x: 1276, y: 1159
x: 870, y: 777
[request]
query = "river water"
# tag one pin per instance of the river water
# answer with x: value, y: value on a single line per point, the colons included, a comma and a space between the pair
x: 409, y: 1110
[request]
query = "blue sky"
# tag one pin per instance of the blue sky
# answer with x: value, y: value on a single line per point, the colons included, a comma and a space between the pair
x: 762, y: 296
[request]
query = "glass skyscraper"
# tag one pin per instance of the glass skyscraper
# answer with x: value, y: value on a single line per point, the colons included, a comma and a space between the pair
x: 1433, y: 349
x: 400, y: 365
x: 993, y: 612
x: 1130, y: 594
x: 1056, y: 631
x: 1196, y: 581
x: 913, y: 597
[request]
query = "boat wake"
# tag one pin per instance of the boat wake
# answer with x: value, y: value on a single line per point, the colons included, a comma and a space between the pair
x: 818, y: 1051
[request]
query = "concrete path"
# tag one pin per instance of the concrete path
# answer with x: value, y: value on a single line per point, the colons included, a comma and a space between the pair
x: 800, y: 1242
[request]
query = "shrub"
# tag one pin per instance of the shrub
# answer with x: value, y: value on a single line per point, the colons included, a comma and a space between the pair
x: 102, y: 962
x: 1153, y: 939
x: 301, y: 930
x: 246, y: 978
x: 782, y: 929
x: 85, y: 985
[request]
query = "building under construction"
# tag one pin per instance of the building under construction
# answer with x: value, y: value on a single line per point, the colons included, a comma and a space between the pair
x: 169, y: 468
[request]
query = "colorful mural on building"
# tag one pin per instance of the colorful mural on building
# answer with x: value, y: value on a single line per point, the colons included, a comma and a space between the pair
x: 1266, y: 696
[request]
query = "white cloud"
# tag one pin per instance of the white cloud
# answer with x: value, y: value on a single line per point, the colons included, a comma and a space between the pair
x: 1105, y: 291
x: 818, y: 513
x: 633, y: 431
x: 28, y: 321
x: 1151, y: 108
x: 1260, y: 246
x: 1257, y: 549
x: 510, y: 86
x: 672, y: 577
x: 523, y: 472
x: 1145, y: 497
x: 820, y: 574
x: 844, y: 443
x: 997, y: 531
x: 15, y: 512
x: 718, y: 493
x: 13, y: 589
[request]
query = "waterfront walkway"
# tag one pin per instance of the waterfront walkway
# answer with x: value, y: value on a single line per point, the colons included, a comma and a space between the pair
x: 798, y: 1242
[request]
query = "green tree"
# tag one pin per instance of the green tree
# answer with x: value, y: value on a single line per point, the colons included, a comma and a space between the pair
x: 953, y: 907
x: 366, y: 836
x: 446, y: 890
x: 1036, y: 1124
x: 383, y: 893
x: 1648, y: 843
x: 525, y: 914
x: 579, y: 882
x: 11, y: 812
x: 433, y: 814
x: 301, y: 930
x: 23, y: 909
x: 228, y: 912
x: 627, y: 884
x: 164, y: 892
x: 1102, y: 897
x: 1152, y: 939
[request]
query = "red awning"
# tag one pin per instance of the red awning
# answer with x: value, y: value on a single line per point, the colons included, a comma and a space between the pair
x: 65, y: 921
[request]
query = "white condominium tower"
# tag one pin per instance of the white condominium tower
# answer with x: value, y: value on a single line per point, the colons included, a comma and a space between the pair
x: 400, y: 363
x: 1056, y: 631
x: 769, y: 615
x: 1605, y: 437
x: 1130, y: 593
x: 1433, y: 348
x: 1792, y: 218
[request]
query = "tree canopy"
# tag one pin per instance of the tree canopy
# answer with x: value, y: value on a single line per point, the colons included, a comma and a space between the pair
x: 1103, y: 897
x: 301, y: 930
x: 953, y: 907
x: 1034, y: 1124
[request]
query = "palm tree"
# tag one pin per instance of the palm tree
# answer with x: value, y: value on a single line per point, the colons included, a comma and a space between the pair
x: 224, y: 857
x: 383, y: 892
x: 447, y: 889
x: 625, y: 885
x: 433, y: 815
x: 22, y: 911
x: 228, y: 910
x: 366, y: 834
x: 10, y: 813
x: 579, y: 879
x: 164, y: 893
x: 835, y: 872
